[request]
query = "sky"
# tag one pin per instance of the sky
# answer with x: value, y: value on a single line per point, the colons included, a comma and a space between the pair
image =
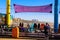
x: 44, y: 17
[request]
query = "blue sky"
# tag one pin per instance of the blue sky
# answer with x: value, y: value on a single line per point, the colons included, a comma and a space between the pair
x: 47, y: 17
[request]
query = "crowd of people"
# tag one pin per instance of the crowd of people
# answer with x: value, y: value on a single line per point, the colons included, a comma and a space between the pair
x: 34, y: 27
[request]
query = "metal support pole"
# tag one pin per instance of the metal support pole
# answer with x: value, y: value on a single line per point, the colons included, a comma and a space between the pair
x: 8, y: 12
x: 56, y: 16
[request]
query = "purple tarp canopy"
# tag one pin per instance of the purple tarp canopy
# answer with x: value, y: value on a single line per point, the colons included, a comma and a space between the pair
x: 21, y: 8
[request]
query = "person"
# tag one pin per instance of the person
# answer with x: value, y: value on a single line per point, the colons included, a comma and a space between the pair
x: 2, y: 28
x: 28, y: 27
x: 20, y: 24
x: 38, y: 26
x: 31, y: 28
x: 21, y: 28
x: 35, y: 27
x: 47, y: 30
x: 42, y: 27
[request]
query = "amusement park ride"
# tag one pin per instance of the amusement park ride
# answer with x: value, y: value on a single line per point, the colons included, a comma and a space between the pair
x: 55, y: 14
x: 8, y: 21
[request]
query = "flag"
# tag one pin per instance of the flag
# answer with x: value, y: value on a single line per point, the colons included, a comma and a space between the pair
x: 21, y: 8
